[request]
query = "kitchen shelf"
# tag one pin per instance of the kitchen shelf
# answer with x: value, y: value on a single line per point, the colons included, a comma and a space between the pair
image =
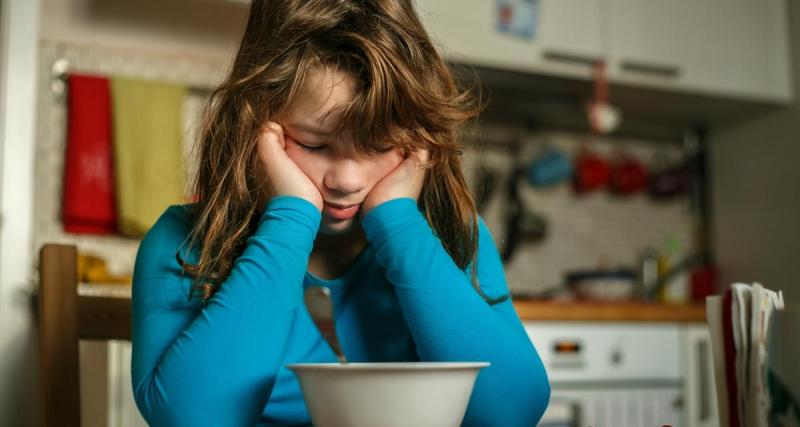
x: 544, y: 310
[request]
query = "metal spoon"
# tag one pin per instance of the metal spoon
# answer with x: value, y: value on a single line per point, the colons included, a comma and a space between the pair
x: 320, y: 307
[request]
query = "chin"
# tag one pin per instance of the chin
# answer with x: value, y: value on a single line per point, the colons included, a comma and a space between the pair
x: 335, y: 227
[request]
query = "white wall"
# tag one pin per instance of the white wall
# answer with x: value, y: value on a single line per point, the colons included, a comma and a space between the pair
x: 203, y: 28
x: 755, y: 174
x: 18, y: 72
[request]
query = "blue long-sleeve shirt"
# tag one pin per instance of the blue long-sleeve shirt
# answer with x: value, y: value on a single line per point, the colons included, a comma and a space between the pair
x: 403, y: 299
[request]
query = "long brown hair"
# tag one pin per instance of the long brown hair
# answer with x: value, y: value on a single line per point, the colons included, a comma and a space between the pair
x: 405, y: 96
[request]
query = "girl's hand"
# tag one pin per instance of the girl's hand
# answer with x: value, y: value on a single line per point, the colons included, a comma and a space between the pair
x: 405, y: 180
x: 282, y: 173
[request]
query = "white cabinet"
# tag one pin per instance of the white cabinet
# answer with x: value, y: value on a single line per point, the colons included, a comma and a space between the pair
x: 570, y: 29
x: 729, y: 48
x: 568, y: 36
x: 650, y: 40
x: 746, y: 49
x: 735, y: 48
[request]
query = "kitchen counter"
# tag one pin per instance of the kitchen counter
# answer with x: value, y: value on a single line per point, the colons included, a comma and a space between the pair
x: 530, y: 309
x: 628, y: 311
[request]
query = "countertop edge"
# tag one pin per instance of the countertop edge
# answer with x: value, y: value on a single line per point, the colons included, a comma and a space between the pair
x: 543, y: 310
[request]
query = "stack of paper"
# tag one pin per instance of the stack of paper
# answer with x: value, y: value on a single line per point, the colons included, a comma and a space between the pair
x: 738, y: 322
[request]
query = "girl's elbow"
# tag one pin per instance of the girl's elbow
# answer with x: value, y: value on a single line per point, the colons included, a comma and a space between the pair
x: 178, y: 416
x: 539, y: 400
x: 160, y: 408
x: 182, y: 405
x: 538, y: 397
x: 157, y: 409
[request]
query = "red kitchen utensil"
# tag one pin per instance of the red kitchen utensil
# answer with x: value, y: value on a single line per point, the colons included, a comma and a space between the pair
x: 628, y: 175
x: 591, y: 171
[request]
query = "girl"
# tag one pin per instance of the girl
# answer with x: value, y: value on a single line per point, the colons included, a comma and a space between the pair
x: 327, y: 157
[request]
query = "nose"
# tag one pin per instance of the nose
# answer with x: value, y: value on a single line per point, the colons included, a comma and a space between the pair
x: 346, y: 176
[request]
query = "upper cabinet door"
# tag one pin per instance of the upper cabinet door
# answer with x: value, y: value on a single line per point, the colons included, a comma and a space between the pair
x: 650, y: 38
x: 566, y: 36
x: 745, y: 49
x: 729, y: 48
x: 571, y: 31
x: 734, y: 48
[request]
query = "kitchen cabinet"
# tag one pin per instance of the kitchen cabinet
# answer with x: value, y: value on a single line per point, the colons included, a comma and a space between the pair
x: 724, y: 48
x: 567, y: 40
x: 747, y: 48
x: 736, y: 48
x: 650, y: 40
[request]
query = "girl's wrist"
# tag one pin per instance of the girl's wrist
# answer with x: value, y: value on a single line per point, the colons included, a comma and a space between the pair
x: 297, y: 208
x: 389, y: 216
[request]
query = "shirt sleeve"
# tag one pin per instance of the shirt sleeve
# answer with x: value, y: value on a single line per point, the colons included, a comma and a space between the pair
x: 450, y: 321
x: 217, y: 365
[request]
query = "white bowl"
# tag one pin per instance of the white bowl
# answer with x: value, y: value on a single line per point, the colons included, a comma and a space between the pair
x: 403, y: 394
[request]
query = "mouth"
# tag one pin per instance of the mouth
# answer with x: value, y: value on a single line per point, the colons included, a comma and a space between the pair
x: 340, y: 212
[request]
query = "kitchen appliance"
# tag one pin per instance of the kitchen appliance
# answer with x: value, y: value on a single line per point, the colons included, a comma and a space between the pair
x: 549, y: 167
x: 522, y: 224
x: 592, y: 171
x: 602, y: 285
x: 486, y: 182
x: 628, y: 175
x: 611, y: 375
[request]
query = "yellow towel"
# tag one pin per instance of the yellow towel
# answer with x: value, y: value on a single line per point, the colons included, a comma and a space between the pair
x: 148, y: 155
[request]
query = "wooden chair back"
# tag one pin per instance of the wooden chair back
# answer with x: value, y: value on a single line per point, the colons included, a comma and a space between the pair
x: 65, y: 317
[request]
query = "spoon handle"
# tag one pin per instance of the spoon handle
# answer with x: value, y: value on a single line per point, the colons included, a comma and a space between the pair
x: 328, y: 332
x: 320, y: 307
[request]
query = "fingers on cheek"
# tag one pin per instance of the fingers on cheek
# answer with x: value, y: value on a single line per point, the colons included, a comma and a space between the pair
x: 286, y: 140
x: 275, y: 127
x: 280, y: 134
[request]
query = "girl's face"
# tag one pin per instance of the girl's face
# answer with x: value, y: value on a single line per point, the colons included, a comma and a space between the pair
x: 343, y: 176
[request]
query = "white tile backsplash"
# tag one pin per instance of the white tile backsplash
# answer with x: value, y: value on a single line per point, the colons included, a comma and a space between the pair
x: 584, y: 231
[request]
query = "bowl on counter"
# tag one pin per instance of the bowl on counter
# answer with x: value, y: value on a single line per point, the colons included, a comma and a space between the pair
x: 602, y: 285
x: 387, y: 394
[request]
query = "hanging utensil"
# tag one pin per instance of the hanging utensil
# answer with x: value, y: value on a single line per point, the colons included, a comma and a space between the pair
x: 603, y: 117
x: 486, y: 181
x: 522, y: 224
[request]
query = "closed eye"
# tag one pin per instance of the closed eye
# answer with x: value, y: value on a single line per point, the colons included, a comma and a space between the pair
x: 309, y: 148
x: 312, y: 149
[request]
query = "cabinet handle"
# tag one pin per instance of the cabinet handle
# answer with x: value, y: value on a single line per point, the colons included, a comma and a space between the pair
x: 571, y: 58
x: 577, y: 414
x: 703, y: 387
x: 667, y: 71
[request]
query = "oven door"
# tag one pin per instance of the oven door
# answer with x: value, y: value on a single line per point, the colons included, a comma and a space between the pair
x: 620, y: 405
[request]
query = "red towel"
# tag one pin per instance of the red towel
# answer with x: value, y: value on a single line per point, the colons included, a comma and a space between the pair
x: 88, y: 198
